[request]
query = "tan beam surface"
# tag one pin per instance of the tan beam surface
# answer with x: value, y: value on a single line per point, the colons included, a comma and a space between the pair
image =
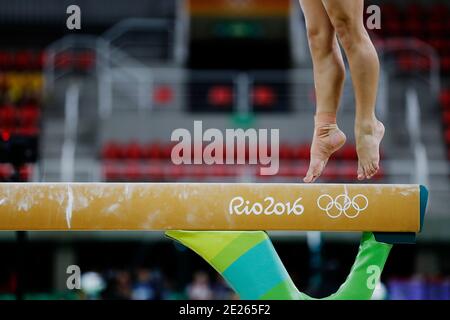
x: 209, y: 206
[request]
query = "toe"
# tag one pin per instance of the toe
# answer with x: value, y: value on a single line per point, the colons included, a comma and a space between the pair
x: 314, y: 171
x: 360, y: 172
x: 374, y: 169
x: 307, y: 178
x: 368, y: 170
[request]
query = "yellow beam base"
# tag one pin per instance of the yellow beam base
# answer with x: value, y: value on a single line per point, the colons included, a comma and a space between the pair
x: 209, y: 206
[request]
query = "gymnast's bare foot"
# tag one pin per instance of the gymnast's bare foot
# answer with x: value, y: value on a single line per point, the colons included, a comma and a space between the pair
x: 327, y: 140
x: 368, y: 138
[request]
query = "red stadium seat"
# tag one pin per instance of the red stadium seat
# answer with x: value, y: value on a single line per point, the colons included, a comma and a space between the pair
x: 7, y: 116
x: 163, y: 95
x: 85, y: 61
x: 175, y: 172
x: 64, y: 60
x: 6, y: 60
x: 5, y: 171
x: 6, y: 134
x: 423, y: 63
x: 408, y: 62
x: 446, y: 118
x: 445, y: 63
x: 153, y: 172
x: 286, y: 151
x: 447, y: 137
x: 198, y: 172
x: 299, y: 171
x: 230, y: 170
x: 31, y: 106
x: 263, y: 96
x: 132, y: 171
x: 220, y: 96
x: 393, y: 28
x: 112, y: 150
x: 294, y: 171
x: 405, y: 62
x: 28, y: 116
x: 112, y: 172
x: 445, y: 98
x: 285, y: 170
x: 348, y: 171
x: 153, y: 151
x: 218, y: 170
x: 395, y: 43
x: 30, y: 131
x: 301, y: 152
x: 24, y: 60
x: 349, y: 152
x: 331, y: 172
x: 166, y: 150
x: 25, y: 173
x: 133, y: 151
x: 41, y: 60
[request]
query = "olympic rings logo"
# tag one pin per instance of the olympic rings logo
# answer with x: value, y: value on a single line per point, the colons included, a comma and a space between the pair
x: 342, y: 204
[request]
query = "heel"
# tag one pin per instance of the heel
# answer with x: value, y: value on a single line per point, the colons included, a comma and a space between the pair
x: 338, y: 139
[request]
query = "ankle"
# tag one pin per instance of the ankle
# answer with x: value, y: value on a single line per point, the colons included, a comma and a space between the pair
x: 331, y: 132
x: 367, y: 125
x: 324, y: 118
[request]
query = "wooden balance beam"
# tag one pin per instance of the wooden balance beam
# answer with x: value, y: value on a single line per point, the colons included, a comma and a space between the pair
x: 210, y: 216
x: 212, y: 206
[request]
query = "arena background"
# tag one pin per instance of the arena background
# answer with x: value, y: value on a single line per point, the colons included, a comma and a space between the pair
x: 100, y: 103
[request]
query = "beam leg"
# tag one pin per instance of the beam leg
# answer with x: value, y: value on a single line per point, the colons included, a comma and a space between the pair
x: 246, y: 259
x: 249, y: 263
x: 366, y: 270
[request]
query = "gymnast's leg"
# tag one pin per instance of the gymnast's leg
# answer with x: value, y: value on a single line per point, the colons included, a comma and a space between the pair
x: 346, y: 17
x: 329, y: 75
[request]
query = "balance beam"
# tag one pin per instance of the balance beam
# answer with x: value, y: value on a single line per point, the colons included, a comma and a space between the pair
x: 211, y: 206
